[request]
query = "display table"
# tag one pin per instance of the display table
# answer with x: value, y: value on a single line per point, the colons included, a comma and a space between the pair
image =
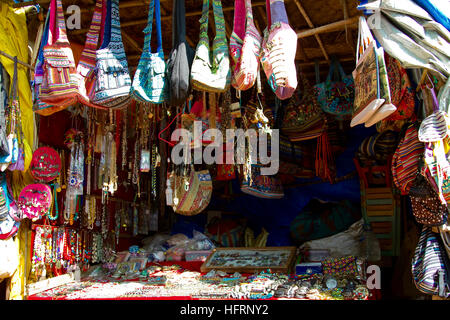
x: 182, y: 286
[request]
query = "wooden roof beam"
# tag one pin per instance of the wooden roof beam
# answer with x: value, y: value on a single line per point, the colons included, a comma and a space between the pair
x: 311, y: 25
x: 350, y: 23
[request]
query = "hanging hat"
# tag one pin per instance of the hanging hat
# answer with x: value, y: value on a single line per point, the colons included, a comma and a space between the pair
x: 35, y: 201
x: 434, y: 127
x: 45, y: 165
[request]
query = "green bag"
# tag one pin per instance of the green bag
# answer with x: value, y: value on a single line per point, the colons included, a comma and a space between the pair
x: 149, y: 82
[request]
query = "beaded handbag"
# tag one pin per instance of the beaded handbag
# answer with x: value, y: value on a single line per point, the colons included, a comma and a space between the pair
x: 35, y: 201
x: 113, y: 83
x: 45, y: 165
x: 341, y: 266
x: 149, y: 82
x: 279, y: 47
x: 215, y: 75
x: 59, y: 86
x: 245, y: 52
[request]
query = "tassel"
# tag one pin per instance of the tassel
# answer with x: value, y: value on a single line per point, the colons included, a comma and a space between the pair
x: 324, y: 158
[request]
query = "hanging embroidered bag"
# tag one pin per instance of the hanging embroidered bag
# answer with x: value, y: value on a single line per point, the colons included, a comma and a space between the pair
x: 180, y: 58
x: 211, y: 70
x: 245, y: 53
x: 86, y: 64
x: 35, y: 201
x: 149, y: 82
x: 113, y: 83
x: 59, y: 87
x: 279, y: 48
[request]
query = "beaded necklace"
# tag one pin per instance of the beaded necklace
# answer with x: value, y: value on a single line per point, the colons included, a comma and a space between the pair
x: 38, y: 251
x: 124, y: 140
x: 54, y: 204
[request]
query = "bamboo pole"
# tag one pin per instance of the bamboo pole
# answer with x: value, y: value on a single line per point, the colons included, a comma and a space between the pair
x: 351, y: 22
x: 311, y: 25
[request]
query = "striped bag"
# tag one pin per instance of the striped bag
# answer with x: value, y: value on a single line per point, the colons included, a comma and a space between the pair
x: 59, y: 88
x: 86, y: 64
x: 246, y: 52
x: 215, y: 75
x: 405, y: 161
x: 430, y: 265
x: 113, y: 82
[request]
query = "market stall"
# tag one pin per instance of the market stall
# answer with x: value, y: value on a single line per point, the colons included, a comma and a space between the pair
x: 224, y: 149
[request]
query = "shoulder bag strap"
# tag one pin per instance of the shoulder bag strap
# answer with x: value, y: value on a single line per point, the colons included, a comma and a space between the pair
x: 107, y: 26
x: 52, y: 36
x: 203, y: 37
x: 149, y: 28
x: 179, y: 23
x: 239, y: 18
x: 249, y: 14
x: 269, y: 16
x: 103, y: 21
x: 61, y: 33
x: 278, y: 11
x: 92, y: 36
x: 116, y: 35
x: 158, y: 26
x: 219, y: 20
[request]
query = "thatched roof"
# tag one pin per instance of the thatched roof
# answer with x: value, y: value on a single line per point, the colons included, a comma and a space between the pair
x: 319, y: 24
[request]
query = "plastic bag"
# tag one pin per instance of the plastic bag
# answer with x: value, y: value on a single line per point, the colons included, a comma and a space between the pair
x: 177, y: 239
x: 346, y: 243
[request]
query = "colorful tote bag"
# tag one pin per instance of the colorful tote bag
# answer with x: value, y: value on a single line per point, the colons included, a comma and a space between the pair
x: 336, y: 97
x: 180, y: 58
x: 86, y: 64
x: 35, y: 201
x: 211, y: 70
x: 279, y: 47
x: 113, y: 82
x: 9, y: 222
x: 192, y: 194
x: 430, y: 266
x: 149, y: 82
x: 59, y: 86
x: 406, y: 160
x: 261, y: 186
x: 245, y: 51
x: 303, y: 117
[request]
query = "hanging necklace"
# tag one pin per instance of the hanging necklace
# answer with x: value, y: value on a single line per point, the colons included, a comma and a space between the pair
x: 124, y: 140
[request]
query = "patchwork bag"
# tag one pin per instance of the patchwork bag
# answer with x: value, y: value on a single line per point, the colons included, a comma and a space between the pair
x: 192, y: 194
x: 430, y: 266
x: 149, y: 82
x: 59, y: 86
x: 346, y: 266
x: 245, y: 46
x: 86, y: 64
x: 426, y: 205
x: 303, y: 117
x: 35, y: 201
x: 279, y: 47
x: 406, y: 160
x: 113, y: 82
x: 180, y: 58
x: 211, y: 71
x: 45, y: 165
